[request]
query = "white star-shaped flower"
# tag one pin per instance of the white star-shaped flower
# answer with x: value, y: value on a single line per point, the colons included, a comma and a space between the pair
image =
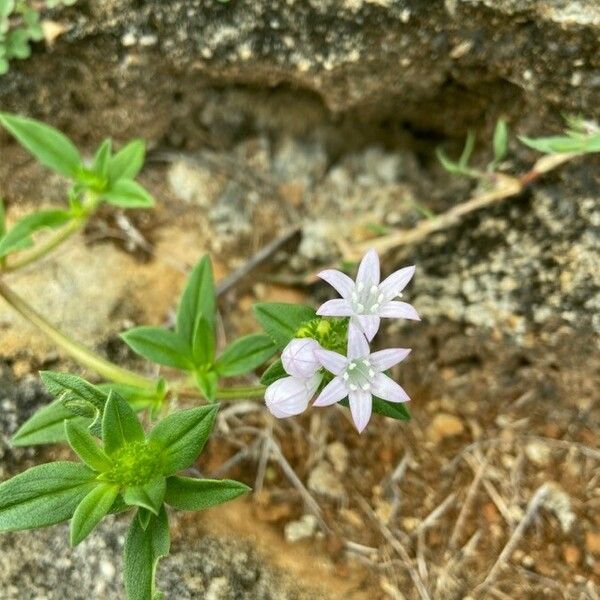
x: 359, y: 376
x: 367, y: 300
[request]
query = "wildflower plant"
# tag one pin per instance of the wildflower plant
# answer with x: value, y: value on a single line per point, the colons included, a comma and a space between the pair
x: 134, y: 435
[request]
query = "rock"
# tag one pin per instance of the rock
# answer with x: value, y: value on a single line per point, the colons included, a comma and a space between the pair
x: 444, y: 426
x: 41, y: 564
x: 323, y: 481
x: 538, y: 453
x: 302, y: 529
x: 572, y: 555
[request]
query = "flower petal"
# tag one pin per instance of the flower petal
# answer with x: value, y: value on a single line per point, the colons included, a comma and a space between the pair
x: 335, y: 308
x: 385, y: 359
x: 361, y: 405
x: 368, y: 270
x: 358, y: 347
x: 298, y: 358
x: 369, y: 325
x: 342, y: 284
x: 391, y: 286
x: 335, y: 363
x: 399, y: 310
x: 387, y: 389
x: 289, y: 396
x: 333, y: 392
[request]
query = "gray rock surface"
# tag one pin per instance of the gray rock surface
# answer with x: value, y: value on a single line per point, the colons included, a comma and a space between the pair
x: 40, y: 565
x: 142, y: 68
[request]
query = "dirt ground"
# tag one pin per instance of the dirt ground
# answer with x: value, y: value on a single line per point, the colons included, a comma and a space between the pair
x: 491, y: 491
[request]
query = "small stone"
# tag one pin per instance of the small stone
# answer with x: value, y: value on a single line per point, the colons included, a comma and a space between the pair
x: 323, y: 480
x: 443, y: 426
x: 128, y: 40
x: 572, y: 555
x: 592, y: 541
x: 302, y: 529
x: 219, y: 589
x: 338, y: 455
x: 538, y: 453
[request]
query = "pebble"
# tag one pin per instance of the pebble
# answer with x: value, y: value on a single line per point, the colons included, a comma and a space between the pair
x: 592, y: 541
x: 302, y: 529
x: 444, y: 426
x: 538, y: 453
x: 324, y: 481
x: 338, y: 455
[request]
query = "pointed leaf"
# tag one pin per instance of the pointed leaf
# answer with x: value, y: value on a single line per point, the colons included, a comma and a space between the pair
x: 47, y: 425
x: 53, y: 149
x: 85, y: 446
x: 143, y: 549
x: 281, y: 320
x: 120, y: 426
x: 127, y: 162
x: 186, y: 493
x: 149, y: 496
x: 91, y: 510
x: 159, y: 345
x: 128, y: 194
x: 500, y: 141
x: 19, y: 236
x: 197, y: 301
x: 43, y: 495
x: 144, y: 517
x: 182, y: 435
x: 61, y: 384
x: 203, y: 343
x: 273, y: 373
x: 245, y: 354
x: 102, y: 159
x: 207, y: 384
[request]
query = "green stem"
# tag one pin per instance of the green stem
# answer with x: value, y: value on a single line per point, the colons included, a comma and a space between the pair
x: 80, y: 353
x: 73, y: 226
x: 241, y: 393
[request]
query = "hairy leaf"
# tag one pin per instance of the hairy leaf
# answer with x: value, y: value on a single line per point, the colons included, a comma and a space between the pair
x: 19, y: 236
x: 47, y: 144
x: 85, y: 446
x: 186, y: 493
x: 159, y: 345
x: 203, y: 343
x: 273, y: 373
x: 281, y: 321
x: 245, y: 354
x: 120, y: 426
x: 143, y: 549
x: 182, y: 435
x: 149, y: 496
x: 91, y: 510
x: 43, y: 495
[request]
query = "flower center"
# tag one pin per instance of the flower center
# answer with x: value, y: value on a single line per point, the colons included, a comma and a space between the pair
x: 134, y: 464
x: 366, y: 300
x: 359, y: 375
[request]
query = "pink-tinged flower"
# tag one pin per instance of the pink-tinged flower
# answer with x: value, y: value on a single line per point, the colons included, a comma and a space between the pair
x: 367, y: 300
x: 290, y: 396
x: 299, y: 359
x: 359, y: 376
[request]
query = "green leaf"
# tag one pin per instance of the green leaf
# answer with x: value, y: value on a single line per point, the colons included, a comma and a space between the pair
x: 273, y: 373
x: 500, y: 141
x: 85, y: 446
x: 203, y: 343
x: 388, y: 409
x: 47, y: 425
x: 245, y: 354
x: 463, y: 161
x: 281, y: 321
x: 43, y: 495
x: 143, y: 550
x: 48, y: 145
x: 197, y: 301
x: 561, y: 144
x: 149, y: 496
x: 207, y: 383
x: 6, y: 7
x: 59, y: 384
x: 127, y: 162
x: 128, y: 194
x: 159, y: 345
x: 17, y: 44
x: 182, y: 435
x: 19, y: 236
x: 186, y: 493
x: 91, y: 510
x: 120, y: 426
x: 144, y: 517
x: 102, y: 159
